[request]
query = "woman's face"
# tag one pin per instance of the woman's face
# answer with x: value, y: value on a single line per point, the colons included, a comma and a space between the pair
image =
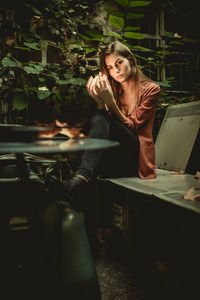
x: 118, y: 67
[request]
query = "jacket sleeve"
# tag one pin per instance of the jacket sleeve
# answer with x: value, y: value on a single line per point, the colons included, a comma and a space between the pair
x: 145, y: 109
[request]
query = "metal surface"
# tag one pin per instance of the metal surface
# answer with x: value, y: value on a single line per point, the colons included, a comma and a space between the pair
x: 9, y: 158
x: 22, y: 133
x: 50, y: 146
x: 24, y: 128
x: 177, y: 136
x: 168, y: 186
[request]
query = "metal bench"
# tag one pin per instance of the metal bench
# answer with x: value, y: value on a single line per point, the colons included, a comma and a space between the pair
x: 177, y: 158
x: 149, y: 218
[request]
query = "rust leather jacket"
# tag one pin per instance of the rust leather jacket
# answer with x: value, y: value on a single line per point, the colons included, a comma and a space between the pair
x: 140, y: 120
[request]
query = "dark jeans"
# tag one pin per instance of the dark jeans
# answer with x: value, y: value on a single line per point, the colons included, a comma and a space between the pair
x: 120, y: 161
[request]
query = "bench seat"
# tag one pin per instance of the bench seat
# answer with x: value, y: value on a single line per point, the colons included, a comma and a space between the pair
x: 168, y: 186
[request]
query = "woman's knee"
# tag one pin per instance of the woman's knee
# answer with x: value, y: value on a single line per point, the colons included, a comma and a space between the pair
x: 99, y: 117
x: 100, y: 125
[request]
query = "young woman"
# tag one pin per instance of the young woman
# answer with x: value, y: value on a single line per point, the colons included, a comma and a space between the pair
x: 126, y: 101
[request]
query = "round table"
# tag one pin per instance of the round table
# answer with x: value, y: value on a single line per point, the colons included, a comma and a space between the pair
x: 52, y: 145
x: 56, y: 145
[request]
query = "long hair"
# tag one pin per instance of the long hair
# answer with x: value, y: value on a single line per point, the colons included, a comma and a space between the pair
x: 137, y: 75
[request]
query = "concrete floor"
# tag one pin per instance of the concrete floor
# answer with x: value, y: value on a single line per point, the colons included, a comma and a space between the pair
x: 116, y: 278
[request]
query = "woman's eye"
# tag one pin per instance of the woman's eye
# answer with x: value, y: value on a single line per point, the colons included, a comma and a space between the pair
x: 119, y: 62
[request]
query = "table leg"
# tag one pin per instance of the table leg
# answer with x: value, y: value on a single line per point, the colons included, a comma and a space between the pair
x: 22, y: 166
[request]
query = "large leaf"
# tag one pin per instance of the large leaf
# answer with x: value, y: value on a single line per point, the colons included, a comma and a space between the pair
x: 10, y: 62
x: 130, y: 16
x: 115, y: 13
x: 19, y: 102
x: 163, y: 52
x: 139, y: 3
x: 164, y: 83
x: 17, y: 90
x: 56, y: 94
x: 87, y: 38
x: 33, y: 45
x: 63, y: 82
x: 33, y: 69
x: 94, y: 34
x: 43, y: 94
x: 141, y: 57
x: 22, y: 48
x: 88, y: 49
x: 133, y: 35
x: 118, y: 22
x: 131, y: 28
x: 36, y: 11
x: 142, y: 48
x: 74, y: 81
x: 123, y: 3
x: 117, y: 35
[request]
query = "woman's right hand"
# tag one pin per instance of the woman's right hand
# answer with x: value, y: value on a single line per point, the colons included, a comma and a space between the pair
x: 92, y: 92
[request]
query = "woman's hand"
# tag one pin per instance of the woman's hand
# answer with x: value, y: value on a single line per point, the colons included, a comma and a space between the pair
x: 93, y: 93
x: 104, y: 91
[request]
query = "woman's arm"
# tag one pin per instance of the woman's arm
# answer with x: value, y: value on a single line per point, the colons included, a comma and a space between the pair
x: 92, y: 92
x: 104, y: 92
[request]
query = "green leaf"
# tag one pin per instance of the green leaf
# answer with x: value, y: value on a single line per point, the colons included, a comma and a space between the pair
x: 33, y: 8
x: 164, y: 83
x: 76, y: 43
x: 30, y: 88
x: 142, y: 48
x: 99, y: 38
x: 94, y: 34
x: 130, y: 16
x: 57, y: 94
x: 33, y: 45
x: 10, y: 62
x: 123, y: 3
x: 41, y: 79
x: 74, y: 81
x: 68, y: 74
x: 118, y: 22
x: 131, y: 28
x: 53, y: 75
x: 61, y: 82
x: 88, y: 50
x: 115, y: 13
x: 133, y: 35
x: 163, y: 52
x: 140, y: 57
x: 33, y: 70
x: 176, y: 43
x: 19, y: 102
x: 17, y: 90
x: 43, y: 94
x: 85, y: 37
x: 22, y: 48
x: 139, y: 3
x: 117, y: 35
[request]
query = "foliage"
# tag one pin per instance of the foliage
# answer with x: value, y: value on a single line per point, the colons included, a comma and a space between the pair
x: 38, y: 78
x: 49, y: 49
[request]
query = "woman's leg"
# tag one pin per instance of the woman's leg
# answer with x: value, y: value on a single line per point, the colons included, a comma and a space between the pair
x: 99, y: 128
x: 123, y: 160
x: 118, y: 161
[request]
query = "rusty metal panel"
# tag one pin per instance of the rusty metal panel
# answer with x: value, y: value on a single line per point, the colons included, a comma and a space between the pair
x: 177, y: 136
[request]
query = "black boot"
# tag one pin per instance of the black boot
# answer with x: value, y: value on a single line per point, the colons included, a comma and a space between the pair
x: 78, y: 189
x: 75, y: 185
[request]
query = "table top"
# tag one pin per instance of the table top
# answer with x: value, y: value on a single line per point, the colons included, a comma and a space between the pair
x: 56, y: 145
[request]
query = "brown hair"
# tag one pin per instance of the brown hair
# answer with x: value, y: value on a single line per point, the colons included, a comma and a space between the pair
x: 121, y: 49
